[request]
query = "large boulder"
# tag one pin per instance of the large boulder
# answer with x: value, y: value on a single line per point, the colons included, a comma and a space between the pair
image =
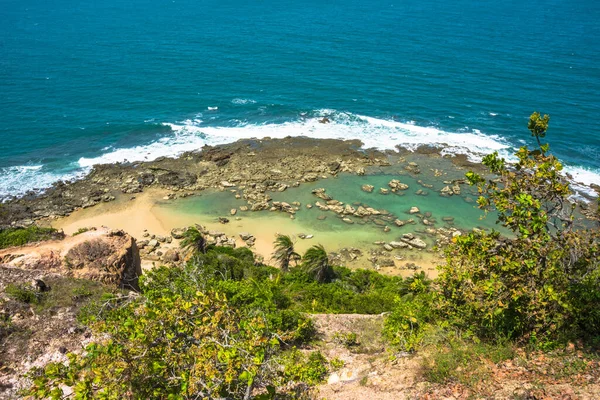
x: 113, y: 259
x: 178, y: 233
x: 110, y: 257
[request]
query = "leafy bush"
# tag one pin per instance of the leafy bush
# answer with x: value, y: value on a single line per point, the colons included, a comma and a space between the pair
x: 348, y: 339
x: 336, y: 363
x: 82, y: 230
x: 410, y: 320
x: 20, y: 236
x: 23, y: 293
x: 543, y: 282
x: 219, y: 326
x: 359, y: 291
x: 169, y: 348
x: 298, y: 367
x: 6, y: 326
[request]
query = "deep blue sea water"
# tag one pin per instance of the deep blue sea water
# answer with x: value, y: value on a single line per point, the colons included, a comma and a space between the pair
x: 85, y: 82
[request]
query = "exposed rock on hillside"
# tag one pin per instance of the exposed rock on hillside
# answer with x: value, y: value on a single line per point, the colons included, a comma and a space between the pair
x: 110, y: 257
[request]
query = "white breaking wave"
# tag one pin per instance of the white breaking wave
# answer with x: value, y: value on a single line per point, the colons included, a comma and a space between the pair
x: 377, y: 133
x: 373, y: 132
x: 243, y: 101
x: 585, y: 176
x: 18, y: 180
x: 164, y: 147
x: 192, y: 135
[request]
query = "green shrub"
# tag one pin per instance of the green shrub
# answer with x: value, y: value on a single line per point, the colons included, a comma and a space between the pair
x: 336, y: 363
x: 541, y: 284
x: 359, y: 291
x: 168, y: 348
x: 24, y: 294
x: 348, y: 339
x: 216, y: 326
x: 311, y: 369
x: 80, y: 231
x: 408, y: 323
x: 6, y: 326
x: 19, y: 236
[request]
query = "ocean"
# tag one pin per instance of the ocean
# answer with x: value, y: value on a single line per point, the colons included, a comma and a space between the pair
x: 89, y: 82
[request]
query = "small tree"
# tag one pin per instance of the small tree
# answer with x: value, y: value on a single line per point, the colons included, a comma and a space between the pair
x: 316, y: 263
x: 531, y: 284
x: 284, y: 252
x: 194, y: 240
x: 538, y: 126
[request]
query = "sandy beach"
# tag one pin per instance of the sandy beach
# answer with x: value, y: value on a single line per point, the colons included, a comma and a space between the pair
x: 146, y: 215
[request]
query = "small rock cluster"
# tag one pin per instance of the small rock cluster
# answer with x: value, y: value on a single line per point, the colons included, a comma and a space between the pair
x: 345, y: 211
x: 450, y: 190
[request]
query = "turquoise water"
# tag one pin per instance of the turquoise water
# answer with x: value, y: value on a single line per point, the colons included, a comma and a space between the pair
x: 99, y: 82
x: 347, y: 189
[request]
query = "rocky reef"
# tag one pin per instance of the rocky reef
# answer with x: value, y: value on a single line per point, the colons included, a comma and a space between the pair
x: 254, y: 167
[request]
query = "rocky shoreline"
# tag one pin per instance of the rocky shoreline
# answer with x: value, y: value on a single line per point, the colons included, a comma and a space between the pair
x: 253, y: 170
x: 250, y: 168
x: 253, y: 166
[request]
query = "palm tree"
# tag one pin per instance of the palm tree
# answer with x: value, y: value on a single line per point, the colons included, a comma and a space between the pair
x: 284, y: 252
x: 194, y: 240
x: 316, y: 263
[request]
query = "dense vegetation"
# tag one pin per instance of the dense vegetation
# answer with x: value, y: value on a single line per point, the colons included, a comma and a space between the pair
x: 19, y: 236
x: 539, y: 289
x: 225, y: 326
x: 219, y: 326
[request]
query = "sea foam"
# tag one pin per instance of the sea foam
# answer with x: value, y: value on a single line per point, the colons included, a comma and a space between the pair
x: 18, y: 180
x: 193, y: 134
x: 378, y: 133
x: 190, y: 135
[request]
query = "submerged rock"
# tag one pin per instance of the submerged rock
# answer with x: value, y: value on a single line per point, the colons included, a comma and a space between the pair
x: 396, y: 185
x: 320, y: 193
x: 367, y: 188
x: 447, y: 191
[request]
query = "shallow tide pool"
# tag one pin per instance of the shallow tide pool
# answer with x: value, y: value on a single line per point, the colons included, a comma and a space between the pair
x: 326, y: 226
